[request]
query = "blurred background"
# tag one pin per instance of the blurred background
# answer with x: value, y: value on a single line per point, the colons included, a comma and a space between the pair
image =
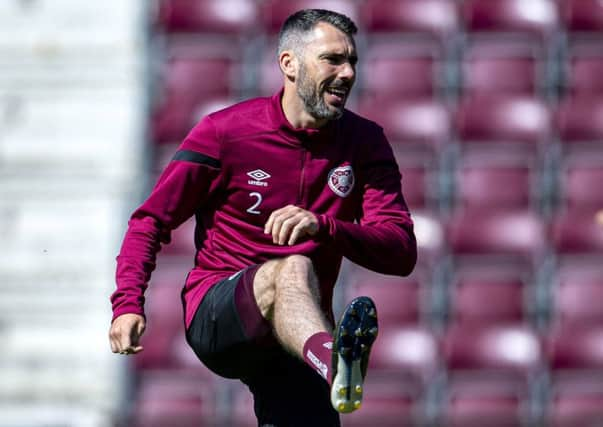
x: 495, y: 112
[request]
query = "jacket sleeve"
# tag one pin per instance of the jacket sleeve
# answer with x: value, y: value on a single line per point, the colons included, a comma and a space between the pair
x: 187, y: 182
x: 382, y: 239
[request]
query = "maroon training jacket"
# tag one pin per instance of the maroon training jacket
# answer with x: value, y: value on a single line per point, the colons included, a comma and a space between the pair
x: 237, y: 166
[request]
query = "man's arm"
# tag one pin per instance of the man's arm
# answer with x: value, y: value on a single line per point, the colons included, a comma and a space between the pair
x: 383, y: 240
x: 184, y: 186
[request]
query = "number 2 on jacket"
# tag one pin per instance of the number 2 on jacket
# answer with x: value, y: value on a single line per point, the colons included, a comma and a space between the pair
x: 258, y: 201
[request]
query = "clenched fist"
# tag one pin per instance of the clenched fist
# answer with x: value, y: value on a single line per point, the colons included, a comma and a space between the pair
x: 125, y: 333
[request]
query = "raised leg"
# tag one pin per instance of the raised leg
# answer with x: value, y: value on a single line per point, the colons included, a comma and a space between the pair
x: 287, y: 294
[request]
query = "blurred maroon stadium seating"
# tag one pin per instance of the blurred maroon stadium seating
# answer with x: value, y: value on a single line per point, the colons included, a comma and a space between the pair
x: 167, y: 399
x: 431, y: 242
x: 398, y: 300
x: 575, y: 357
x: 406, y: 352
x: 241, y: 408
x: 490, y: 181
x: 276, y: 11
x: 387, y: 60
x: 270, y: 77
x: 576, y: 232
x: 503, y: 119
x: 469, y: 300
x: 182, y: 93
x: 580, y: 121
x: 438, y: 18
x: 496, y: 232
x: 582, y: 15
x: 492, y: 371
x: 577, y: 297
x: 414, y: 124
x: 417, y: 190
x: 208, y: 16
x: 514, y: 350
x: 575, y: 346
x: 584, y: 69
x: 576, y: 408
x: 495, y: 239
x: 404, y: 362
x: 580, y: 180
x: 502, y: 67
x: 535, y: 17
x: 165, y: 325
x: 182, y: 76
x: 476, y: 406
x: 385, y: 409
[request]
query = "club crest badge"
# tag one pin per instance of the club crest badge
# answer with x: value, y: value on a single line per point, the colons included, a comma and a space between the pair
x: 341, y: 180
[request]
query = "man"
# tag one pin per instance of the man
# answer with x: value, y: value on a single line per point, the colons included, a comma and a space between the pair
x: 282, y: 188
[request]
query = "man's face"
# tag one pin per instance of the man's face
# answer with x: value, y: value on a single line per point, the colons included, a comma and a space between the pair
x: 327, y: 71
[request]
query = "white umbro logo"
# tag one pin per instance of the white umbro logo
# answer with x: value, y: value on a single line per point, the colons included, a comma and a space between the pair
x: 318, y: 364
x: 258, y: 176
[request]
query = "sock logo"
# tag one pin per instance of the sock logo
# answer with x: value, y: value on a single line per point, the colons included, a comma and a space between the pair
x: 328, y: 345
x: 318, y: 364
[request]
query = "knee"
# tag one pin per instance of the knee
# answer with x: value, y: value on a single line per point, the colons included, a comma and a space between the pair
x: 296, y: 266
x: 293, y: 273
x: 297, y: 271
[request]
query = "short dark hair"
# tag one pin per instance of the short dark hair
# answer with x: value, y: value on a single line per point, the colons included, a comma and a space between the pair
x: 303, y: 21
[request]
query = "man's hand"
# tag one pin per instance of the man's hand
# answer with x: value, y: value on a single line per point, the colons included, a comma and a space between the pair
x: 125, y: 333
x: 287, y: 225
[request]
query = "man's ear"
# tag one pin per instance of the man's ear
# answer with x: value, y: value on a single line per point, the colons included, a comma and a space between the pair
x: 289, y: 64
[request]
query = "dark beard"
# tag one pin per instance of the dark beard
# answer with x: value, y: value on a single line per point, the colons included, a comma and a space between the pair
x: 313, y: 100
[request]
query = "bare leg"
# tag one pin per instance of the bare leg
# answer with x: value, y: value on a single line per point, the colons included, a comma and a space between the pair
x: 287, y: 294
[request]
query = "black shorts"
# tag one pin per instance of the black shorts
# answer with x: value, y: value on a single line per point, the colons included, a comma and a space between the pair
x: 230, y: 336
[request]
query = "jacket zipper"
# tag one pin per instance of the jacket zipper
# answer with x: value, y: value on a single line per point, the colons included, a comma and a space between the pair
x: 300, y: 195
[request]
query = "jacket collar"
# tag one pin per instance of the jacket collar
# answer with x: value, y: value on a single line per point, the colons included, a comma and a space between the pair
x: 302, y: 135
